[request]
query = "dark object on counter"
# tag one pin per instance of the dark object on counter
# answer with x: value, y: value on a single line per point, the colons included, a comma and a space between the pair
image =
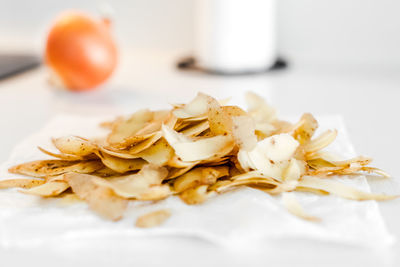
x: 11, y: 64
x: 189, y: 63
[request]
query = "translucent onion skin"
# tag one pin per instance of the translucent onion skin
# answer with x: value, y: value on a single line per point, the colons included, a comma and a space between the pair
x: 81, y: 51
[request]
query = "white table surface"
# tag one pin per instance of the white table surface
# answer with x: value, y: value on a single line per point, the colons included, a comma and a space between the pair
x: 366, y: 98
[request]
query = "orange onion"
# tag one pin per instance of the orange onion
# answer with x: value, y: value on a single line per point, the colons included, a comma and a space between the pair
x: 81, y: 51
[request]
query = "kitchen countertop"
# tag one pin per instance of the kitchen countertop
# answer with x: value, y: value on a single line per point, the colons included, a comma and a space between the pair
x: 366, y: 98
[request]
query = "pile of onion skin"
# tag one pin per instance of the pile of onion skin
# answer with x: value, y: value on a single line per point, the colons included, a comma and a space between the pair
x: 194, y: 151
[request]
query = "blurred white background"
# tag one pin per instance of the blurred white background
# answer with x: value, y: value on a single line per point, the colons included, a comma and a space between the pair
x: 361, y: 33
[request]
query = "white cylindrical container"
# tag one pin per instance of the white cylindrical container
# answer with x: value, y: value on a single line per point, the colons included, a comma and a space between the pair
x: 234, y: 36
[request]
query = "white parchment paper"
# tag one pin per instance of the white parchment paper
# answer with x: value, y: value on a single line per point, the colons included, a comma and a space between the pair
x: 236, y: 219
